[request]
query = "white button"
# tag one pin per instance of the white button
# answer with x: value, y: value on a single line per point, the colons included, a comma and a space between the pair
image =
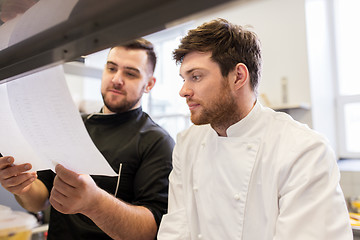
x: 249, y: 147
x: 195, y: 189
x: 237, y: 197
x: 199, y: 236
x: 203, y: 144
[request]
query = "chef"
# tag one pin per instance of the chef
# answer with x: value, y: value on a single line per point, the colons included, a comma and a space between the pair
x: 244, y: 171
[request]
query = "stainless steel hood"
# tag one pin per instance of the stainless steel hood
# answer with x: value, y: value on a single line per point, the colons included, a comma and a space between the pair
x: 92, y: 26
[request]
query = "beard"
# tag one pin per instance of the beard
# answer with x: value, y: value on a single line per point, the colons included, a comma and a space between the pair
x: 121, y: 106
x: 219, y: 112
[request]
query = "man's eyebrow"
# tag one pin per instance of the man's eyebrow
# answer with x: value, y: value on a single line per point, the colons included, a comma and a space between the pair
x: 189, y: 71
x: 111, y: 62
x: 126, y: 67
x: 132, y: 69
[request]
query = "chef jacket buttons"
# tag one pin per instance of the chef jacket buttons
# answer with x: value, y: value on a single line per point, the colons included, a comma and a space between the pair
x: 249, y: 147
x: 195, y: 189
x: 199, y: 236
x: 237, y: 197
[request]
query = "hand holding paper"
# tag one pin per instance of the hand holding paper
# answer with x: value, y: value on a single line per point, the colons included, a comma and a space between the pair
x: 15, y: 178
x: 41, y: 125
x: 74, y: 193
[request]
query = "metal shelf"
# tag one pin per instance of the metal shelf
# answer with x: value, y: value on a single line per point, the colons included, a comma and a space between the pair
x: 287, y: 107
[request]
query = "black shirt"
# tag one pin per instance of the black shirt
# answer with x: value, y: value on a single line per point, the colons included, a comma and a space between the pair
x: 143, y: 148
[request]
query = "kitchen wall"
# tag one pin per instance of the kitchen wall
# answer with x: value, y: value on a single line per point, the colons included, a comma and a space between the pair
x: 281, y: 27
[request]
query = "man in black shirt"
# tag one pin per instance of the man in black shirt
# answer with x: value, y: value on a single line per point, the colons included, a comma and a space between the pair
x: 102, y: 207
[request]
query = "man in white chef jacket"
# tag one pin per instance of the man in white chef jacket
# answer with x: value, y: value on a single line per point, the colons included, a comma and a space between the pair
x: 244, y: 171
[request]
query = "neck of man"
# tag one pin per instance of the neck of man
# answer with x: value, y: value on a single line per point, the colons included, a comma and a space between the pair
x: 244, y: 110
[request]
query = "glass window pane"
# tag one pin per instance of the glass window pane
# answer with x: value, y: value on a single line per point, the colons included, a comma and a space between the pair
x: 165, y: 94
x: 348, y: 47
x: 166, y: 107
x: 352, y: 127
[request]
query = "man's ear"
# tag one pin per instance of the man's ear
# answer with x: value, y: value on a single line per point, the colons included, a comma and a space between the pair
x: 241, y: 75
x: 150, y: 84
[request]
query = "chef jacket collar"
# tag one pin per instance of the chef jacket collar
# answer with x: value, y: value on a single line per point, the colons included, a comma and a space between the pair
x: 240, y: 128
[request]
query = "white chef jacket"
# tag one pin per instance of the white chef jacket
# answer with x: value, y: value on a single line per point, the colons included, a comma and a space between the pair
x: 271, y: 178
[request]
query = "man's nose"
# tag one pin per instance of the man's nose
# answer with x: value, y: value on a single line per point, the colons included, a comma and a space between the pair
x: 185, y: 91
x: 117, y: 78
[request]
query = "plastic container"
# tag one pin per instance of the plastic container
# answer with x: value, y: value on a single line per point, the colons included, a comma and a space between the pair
x: 15, y: 225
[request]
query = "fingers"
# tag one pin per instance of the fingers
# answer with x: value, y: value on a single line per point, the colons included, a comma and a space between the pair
x: 63, y: 187
x: 71, y: 192
x: 6, y: 162
x: 57, y: 205
x: 14, y: 178
x: 67, y: 176
x: 63, y: 195
x: 8, y: 169
x: 57, y: 198
x: 18, y: 185
x: 18, y: 180
x: 63, y: 191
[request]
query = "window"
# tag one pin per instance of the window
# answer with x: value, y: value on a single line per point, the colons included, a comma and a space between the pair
x: 347, y: 43
x: 333, y: 50
x: 164, y: 104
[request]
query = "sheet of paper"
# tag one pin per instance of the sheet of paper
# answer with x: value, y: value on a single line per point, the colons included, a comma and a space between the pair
x: 12, y: 141
x: 45, y: 127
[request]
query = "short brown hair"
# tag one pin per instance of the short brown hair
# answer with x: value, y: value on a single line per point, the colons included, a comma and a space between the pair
x: 229, y: 44
x: 143, y: 44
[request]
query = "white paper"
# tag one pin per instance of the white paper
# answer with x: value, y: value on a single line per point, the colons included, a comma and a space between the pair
x: 12, y: 141
x: 41, y: 125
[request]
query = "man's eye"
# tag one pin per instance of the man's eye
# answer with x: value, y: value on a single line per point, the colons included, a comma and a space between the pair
x: 196, y: 77
x: 111, y: 69
x: 131, y: 74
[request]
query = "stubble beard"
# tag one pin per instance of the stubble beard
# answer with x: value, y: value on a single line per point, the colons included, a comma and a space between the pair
x: 222, y: 112
x: 120, y: 106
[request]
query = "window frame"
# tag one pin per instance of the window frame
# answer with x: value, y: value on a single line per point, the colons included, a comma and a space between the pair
x: 340, y: 100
